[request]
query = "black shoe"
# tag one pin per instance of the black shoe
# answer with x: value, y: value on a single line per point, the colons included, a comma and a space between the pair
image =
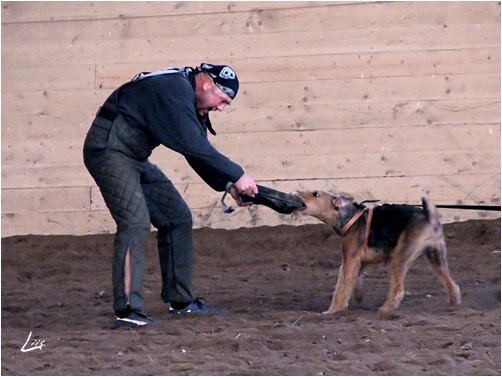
x: 133, y: 320
x: 197, y: 306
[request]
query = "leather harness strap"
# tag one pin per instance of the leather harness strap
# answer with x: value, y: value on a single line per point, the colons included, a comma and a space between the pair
x: 352, y: 220
x: 356, y: 217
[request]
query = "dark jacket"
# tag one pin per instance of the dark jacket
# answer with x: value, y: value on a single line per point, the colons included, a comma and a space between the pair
x: 162, y: 110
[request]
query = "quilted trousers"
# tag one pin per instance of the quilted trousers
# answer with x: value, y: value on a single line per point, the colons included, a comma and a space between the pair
x: 138, y: 194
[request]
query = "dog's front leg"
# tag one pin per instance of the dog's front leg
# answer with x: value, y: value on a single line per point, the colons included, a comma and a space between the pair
x: 347, y: 279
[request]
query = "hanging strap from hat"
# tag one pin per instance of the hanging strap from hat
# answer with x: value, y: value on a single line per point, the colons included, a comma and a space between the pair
x: 164, y: 71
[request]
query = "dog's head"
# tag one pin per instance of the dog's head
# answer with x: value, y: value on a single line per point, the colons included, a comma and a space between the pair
x: 325, y: 206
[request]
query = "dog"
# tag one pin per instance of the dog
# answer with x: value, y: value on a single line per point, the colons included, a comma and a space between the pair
x: 391, y: 234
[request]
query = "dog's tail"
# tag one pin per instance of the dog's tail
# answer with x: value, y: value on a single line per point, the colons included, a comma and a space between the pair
x: 431, y: 211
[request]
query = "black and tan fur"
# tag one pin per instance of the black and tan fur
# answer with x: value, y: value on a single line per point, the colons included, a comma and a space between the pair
x: 398, y: 235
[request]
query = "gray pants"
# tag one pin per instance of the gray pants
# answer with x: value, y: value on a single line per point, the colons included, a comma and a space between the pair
x: 139, y: 194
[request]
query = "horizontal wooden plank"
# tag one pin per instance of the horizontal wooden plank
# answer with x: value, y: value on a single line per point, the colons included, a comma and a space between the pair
x: 61, y: 199
x: 374, y: 165
x: 285, y: 143
x: 304, y: 43
x: 41, y: 152
x: 75, y: 223
x: 62, y: 175
x: 371, y: 90
x: 55, y: 124
x: 331, y: 66
x: 446, y: 189
x: 56, y: 77
x: 470, y: 189
x: 357, y: 115
x: 260, y: 216
x: 31, y: 11
x: 98, y: 222
x: 296, y: 93
x: 279, y: 167
x: 292, y: 68
x: 279, y: 18
x: 362, y: 140
x: 58, y: 103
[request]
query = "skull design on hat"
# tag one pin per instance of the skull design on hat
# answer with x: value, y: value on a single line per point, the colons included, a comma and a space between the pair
x: 223, y: 76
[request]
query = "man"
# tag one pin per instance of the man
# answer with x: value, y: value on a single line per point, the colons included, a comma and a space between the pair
x: 168, y: 107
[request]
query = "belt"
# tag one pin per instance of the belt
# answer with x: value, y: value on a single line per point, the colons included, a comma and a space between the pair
x: 107, y: 113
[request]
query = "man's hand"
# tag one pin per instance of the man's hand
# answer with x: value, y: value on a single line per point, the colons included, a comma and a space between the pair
x: 244, y: 185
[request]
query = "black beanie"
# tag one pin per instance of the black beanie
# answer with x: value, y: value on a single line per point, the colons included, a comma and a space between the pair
x: 223, y: 76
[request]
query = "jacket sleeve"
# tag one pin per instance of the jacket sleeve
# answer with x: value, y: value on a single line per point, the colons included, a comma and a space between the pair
x: 173, y: 121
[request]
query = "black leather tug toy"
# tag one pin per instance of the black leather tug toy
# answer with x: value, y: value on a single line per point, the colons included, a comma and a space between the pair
x: 276, y: 200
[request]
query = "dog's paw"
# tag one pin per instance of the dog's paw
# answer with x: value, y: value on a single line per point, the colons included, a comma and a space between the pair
x: 388, y: 315
x: 385, y: 309
x: 331, y: 311
x: 455, y: 296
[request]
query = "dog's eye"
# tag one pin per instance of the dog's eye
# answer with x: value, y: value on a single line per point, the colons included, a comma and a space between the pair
x: 316, y: 194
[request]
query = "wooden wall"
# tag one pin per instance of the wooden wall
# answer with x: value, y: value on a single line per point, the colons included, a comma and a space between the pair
x: 382, y: 100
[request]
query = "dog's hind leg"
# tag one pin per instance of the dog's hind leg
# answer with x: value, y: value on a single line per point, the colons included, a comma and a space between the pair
x: 437, y: 257
x: 395, y: 295
x: 437, y: 251
x: 358, y: 290
x: 403, y: 256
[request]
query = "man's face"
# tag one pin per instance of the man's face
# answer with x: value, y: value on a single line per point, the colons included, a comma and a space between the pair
x: 211, y: 98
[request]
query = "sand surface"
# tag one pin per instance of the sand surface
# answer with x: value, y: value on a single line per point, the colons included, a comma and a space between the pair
x: 273, y: 282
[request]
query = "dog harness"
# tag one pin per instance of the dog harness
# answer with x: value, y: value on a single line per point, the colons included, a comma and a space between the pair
x: 353, y: 220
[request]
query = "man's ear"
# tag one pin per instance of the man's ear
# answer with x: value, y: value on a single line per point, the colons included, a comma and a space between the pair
x: 206, y: 84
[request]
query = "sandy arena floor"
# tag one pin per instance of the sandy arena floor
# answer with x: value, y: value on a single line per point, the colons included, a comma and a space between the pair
x: 274, y: 282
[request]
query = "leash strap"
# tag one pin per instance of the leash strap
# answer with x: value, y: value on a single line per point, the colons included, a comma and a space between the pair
x: 226, y: 207
x: 367, y: 231
x: 473, y: 207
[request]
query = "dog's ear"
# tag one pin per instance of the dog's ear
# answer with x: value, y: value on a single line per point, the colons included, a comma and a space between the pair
x: 338, y: 201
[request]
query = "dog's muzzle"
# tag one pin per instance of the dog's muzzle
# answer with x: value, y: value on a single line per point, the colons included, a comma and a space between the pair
x: 276, y: 200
